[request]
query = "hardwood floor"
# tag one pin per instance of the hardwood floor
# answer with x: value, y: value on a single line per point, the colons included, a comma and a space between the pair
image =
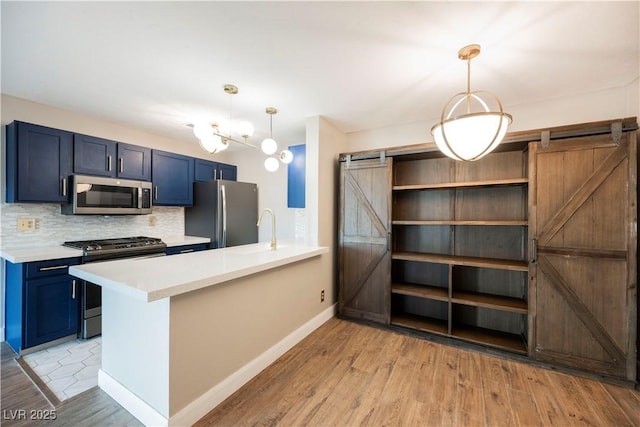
x: 22, y: 404
x: 347, y: 374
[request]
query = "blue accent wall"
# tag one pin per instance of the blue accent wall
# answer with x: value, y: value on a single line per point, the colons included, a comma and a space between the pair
x: 296, y: 177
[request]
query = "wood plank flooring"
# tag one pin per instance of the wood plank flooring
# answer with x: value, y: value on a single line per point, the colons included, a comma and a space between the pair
x: 347, y: 374
x: 22, y: 404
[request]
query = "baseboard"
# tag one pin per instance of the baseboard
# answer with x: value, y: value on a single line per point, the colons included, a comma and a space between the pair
x: 216, y: 395
x: 129, y: 401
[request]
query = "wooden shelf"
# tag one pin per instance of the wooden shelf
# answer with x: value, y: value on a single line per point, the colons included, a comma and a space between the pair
x: 421, y: 291
x: 421, y: 323
x: 459, y: 222
x: 497, y: 302
x: 486, y: 183
x: 490, y: 337
x: 499, y: 264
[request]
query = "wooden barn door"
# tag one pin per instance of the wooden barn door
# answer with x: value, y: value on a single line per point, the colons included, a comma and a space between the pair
x: 583, y: 220
x: 365, y: 257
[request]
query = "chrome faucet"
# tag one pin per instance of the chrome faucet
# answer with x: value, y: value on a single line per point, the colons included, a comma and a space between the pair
x: 273, y: 227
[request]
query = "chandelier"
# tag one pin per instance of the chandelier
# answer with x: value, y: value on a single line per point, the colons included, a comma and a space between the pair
x: 468, y: 128
x: 216, y: 137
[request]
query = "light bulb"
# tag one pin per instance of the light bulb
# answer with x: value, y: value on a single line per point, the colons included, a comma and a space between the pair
x: 202, y: 130
x: 269, y: 146
x: 209, y: 144
x: 286, y: 157
x: 223, y: 144
x: 224, y: 127
x: 245, y: 129
x: 271, y: 164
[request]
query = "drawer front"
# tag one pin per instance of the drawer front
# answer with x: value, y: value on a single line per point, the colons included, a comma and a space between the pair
x: 50, y: 267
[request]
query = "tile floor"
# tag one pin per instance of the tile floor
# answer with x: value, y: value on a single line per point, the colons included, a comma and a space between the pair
x: 70, y: 368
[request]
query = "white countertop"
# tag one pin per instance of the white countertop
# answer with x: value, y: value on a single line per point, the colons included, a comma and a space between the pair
x: 152, y: 279
x: 17, y: 255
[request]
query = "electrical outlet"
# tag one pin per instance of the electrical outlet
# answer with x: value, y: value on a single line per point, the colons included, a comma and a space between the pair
x: 322, y: 295
x: 152, y: 221
x: 26, y: 224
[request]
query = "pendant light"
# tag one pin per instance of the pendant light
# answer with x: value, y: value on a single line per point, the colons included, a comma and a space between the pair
x: 468, y: 129
x: 215, y: 137
x: 269, y: 146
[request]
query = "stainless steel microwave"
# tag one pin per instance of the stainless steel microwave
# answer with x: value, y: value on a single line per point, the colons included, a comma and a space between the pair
x: 94, y: 195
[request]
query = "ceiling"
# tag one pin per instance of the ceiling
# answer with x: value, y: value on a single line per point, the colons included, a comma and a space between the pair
x: 363, y: 65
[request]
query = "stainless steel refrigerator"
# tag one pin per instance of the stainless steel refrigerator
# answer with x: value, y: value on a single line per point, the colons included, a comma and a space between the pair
x: 224, y: 211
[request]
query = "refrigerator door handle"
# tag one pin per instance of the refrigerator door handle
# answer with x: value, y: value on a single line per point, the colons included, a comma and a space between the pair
x: 224, y: 217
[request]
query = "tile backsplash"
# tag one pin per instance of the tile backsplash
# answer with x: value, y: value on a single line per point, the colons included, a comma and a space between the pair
x: 54, y: 228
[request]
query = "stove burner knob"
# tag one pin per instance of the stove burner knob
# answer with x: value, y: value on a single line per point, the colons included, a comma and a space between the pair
x: 94, y: 247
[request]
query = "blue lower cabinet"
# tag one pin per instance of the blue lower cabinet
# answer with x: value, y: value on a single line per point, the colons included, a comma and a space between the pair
x: 51, y: 309
x: 42, y: 302
x: 184, y: 249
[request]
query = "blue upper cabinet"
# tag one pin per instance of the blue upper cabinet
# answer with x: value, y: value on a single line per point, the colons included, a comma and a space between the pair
x: 103, y: 157
x: 228, y: 172
x: 172, y: 176
x: 134, y: 162
x: 207, y: 170
x: 39, y: 162
x: 94, y: 156
x: 296, y: 177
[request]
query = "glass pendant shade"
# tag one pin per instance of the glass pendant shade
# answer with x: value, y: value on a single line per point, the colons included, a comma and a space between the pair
x: 271, y: 164
x: 269, y: 146
x: 245, y: 129
x: 208, y: 143
x: 223, y: 144
x: 471, y: 136
x: 202, y: 130
x: 286, y: 157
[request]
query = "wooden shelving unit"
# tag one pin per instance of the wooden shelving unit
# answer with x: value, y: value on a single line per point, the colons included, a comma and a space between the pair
x: 460, y: 262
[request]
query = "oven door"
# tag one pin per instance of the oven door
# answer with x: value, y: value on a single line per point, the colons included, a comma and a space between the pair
x: 91, y: 310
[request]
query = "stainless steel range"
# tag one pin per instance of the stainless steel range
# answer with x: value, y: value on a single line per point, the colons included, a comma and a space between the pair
x: 106, y: 250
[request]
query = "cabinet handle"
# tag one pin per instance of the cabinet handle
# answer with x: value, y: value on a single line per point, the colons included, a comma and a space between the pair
x: 221, y: 174
x: 121, y: 162
x: 55, y: 267
x: 186, y: 251
x: 64, y: 187
x: 155, y: 196
x: 73, y: 289
x: 109, y: 163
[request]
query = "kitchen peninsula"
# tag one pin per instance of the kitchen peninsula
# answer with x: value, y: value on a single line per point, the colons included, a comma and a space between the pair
x: 181, y: 333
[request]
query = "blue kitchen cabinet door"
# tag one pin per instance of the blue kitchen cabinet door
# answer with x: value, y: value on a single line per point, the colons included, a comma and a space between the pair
x: 228, y: 172
x: 38, y: 164
x: 94, y: 156
x: 172, y: 176
x: 205, y: 170
x: 51, y: 309
x: 296, y: 181
x: 134, y: 162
